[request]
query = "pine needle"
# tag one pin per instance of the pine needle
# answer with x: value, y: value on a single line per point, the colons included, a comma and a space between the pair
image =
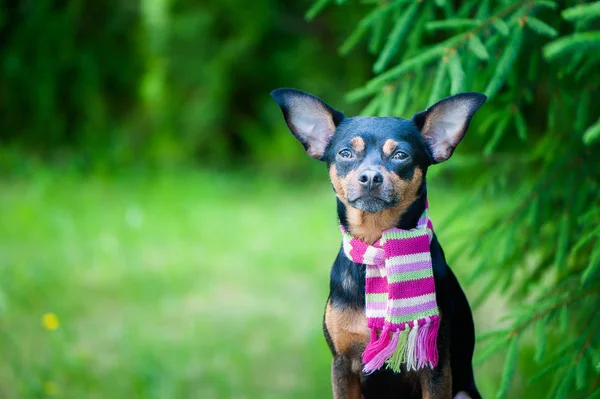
x: 397, y: 34
x: 582, y: 12
x: 585, y: 41
x: 541, y: 27
x: 510, y: 364
x: 505, y: 63
x: 478, y: 48
x: 592, y: 134
x: 457, y: 75
x: 315, y: 9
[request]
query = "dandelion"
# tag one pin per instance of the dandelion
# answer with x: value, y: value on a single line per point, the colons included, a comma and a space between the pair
x: 50, y: 388
x: 50, y: 321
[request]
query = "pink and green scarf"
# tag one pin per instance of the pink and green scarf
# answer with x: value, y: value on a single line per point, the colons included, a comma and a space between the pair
x: 401, y: 306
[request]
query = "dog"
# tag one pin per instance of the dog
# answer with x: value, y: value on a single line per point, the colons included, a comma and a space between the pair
x: 377, y: 167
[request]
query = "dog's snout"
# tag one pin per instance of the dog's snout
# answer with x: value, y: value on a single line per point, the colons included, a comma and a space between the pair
x: 370, y: 179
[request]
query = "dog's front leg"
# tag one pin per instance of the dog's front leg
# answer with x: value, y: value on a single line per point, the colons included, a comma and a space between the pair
x: 345, y: 383
x: 437, y: 383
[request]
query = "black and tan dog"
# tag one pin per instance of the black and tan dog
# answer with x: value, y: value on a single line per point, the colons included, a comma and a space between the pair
x: 377, y: 168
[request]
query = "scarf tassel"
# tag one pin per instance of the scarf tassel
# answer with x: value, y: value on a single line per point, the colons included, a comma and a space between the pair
x: 377, y: 344
x: 416, y: 347
x: 384, y: 354
x: 397, y: 358
x: 432, y: 348
x: 422, y: 348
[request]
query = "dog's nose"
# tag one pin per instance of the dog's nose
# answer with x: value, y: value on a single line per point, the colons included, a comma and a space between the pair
x: 370, y: 179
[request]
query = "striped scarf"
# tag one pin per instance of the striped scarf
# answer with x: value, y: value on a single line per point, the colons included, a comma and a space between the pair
x: 401, y: 307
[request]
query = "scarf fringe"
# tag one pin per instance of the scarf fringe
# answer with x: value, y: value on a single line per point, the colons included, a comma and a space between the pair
x: 379, y: 359
x: 397, y: 358
x: 411, y: 347
x: 377, y: 344
x: 432, y: 348
x: 416, y: 347
x: 422, y: 347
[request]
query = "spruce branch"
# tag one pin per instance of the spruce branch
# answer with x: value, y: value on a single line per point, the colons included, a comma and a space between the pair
x: 396, y: 36
x: 315, y: 9
x: 546, y: 312
x: 589, y: 41
x: 540, y: 27
x: 364, y: 24
x: 582, y: 12
x: 592, y: 133
x: 588, y: 339
x: 449, y: 46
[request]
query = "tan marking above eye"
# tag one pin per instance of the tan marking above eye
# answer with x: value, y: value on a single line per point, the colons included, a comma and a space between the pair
x: 358, y: 144
x: 389, y: 146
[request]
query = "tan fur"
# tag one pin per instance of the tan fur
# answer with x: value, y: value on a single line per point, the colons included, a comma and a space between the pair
x: 344, y: 386
x: 358, y: 144
x: 340, y: 184
x: 354, y: 390
x: 347, y: 328
x: 368, y: 226
x: 389, y: 146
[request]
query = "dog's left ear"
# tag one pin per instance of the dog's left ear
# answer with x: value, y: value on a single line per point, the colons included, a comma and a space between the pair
x: 309, y: 118
x: 443, y: 125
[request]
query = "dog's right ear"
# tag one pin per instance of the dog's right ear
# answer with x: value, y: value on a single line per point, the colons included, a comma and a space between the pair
x: 444, y: 124
x: 311, y: 120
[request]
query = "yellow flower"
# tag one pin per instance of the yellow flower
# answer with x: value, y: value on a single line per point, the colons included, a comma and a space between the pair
x: 50, y: 321
x: 50, y: 388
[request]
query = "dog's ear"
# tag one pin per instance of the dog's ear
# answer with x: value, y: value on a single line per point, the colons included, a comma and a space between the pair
x: 311, y: 120
x: 443, y: 125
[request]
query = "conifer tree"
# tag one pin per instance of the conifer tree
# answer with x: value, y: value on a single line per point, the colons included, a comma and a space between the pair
x: 533, y: 154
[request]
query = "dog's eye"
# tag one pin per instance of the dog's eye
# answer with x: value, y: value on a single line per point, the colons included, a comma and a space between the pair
x: 400, y: 155
x: 345, y: 153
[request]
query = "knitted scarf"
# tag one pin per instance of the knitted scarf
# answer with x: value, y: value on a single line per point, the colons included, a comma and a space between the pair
x: 401, y: 307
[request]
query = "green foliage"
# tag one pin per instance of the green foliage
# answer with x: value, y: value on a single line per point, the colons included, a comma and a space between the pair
x: 100, y: 85
x: 536, y: 141
x: 541, y: 27
x: 451, y: 24
x: 316, y: 8
x: 478, y: 48
x: 582, y: 12
x: 68, y: 75
x: 396, y: 36
x: 592, y: 134
x: 509, y: 367
x: 586, y: 41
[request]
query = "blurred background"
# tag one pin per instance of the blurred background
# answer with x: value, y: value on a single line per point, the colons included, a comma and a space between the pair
x: 163, y: 235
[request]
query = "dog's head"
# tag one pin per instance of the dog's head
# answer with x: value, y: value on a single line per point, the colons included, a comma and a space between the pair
x: 377, y: 166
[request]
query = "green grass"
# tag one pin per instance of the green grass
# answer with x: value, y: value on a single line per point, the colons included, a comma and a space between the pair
x: 183, y: 285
